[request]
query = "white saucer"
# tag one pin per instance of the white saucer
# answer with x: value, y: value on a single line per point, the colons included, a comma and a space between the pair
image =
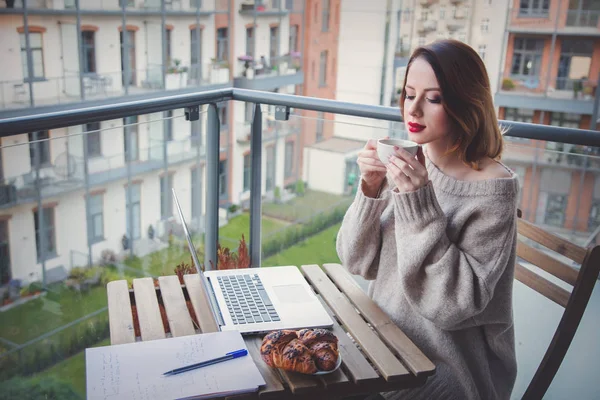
x: 339, y: 362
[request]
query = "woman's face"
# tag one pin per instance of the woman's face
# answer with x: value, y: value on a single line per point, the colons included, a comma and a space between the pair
x: 424, y: 116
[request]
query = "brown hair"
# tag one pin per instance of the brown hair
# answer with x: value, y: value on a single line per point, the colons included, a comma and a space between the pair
x: 466, y: 97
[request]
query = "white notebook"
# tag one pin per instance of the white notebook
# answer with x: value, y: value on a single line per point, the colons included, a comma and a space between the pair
x: 134, y: 371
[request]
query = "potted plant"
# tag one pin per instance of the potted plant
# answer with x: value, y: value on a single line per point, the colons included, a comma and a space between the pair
x: 176, y: 75
x: 300, y: 187
x: 507, y: 84
x: 277, y: 194
x: 10, y: 3
x: 577, y: 88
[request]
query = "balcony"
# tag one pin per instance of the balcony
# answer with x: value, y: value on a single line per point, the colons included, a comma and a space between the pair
x: 269, y: 75
x: 427, y: 3
x: 561, y: 95
x: 102, y: 85
x: 262, y: 8
x: 115, y: 221
x: 113, y: 7
x: 426, y: 26
x: 456, y: 23
x: 582, y: 22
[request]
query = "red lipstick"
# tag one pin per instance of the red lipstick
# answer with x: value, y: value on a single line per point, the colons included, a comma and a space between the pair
x: 414, y: 127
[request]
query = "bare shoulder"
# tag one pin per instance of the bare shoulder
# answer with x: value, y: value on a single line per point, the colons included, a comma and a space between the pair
x: 491, y: 169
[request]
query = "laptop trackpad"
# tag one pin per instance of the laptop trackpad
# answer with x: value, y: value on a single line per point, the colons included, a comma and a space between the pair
x: 292, y: 293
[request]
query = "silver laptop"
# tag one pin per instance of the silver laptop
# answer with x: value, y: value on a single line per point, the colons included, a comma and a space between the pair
x: 258, y: 300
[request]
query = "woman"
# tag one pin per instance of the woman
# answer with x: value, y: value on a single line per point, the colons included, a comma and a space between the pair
x: 437, y: 232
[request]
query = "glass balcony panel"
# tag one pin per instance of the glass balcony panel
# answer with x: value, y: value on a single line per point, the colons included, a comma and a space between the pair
x: 130, y: 227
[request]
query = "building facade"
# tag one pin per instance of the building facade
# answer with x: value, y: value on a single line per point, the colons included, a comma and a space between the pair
x: 549, y: 75
x: 69, y: 194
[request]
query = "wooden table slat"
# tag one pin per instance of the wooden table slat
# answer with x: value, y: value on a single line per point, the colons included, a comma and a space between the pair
x: 120, y: 318
x: 201, y: 304
x: 353, y: 360
x: 414, y: 359
x: 274, y: 386
x: 151, y: 326
x: 387, y: 364
x: 300, y: 383
x: 178, y: 315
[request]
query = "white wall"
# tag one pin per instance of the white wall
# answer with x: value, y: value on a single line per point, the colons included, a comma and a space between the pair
x: 324, y: 170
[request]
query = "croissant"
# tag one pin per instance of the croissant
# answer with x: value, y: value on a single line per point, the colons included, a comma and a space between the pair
x: 322, y: 345
x: 305, y: 351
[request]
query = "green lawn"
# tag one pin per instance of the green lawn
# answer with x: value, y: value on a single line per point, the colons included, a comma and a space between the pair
x: 302, y: 207
x: 72, y: 370
x: 318, y: 249
x: 59, y: 307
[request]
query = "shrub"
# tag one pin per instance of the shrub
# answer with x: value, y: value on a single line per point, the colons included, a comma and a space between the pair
x: 300, y: 189
x: 233, y: 208
x: 37, y: 388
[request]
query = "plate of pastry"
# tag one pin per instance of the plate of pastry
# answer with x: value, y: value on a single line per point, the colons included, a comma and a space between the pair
x: 307, y: 351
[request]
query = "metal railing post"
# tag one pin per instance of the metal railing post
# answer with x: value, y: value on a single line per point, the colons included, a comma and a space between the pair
x: 255, y: 186
x: 211, y: 228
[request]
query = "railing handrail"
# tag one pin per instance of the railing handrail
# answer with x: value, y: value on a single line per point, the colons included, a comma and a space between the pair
x: 78, y: 114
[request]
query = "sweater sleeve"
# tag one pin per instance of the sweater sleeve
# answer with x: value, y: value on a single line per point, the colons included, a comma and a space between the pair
x: 358, y: 241
x: 451, y: 283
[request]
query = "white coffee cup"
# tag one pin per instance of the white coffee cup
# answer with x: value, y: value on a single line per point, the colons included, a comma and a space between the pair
x: 385, y: 148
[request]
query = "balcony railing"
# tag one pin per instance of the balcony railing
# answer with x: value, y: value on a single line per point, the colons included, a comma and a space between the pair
x: 583, y: 18
x: 187, y: 6
x: 112, y: 215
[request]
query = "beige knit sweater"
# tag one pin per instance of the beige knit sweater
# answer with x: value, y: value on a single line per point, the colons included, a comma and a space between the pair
x: 442, y: 263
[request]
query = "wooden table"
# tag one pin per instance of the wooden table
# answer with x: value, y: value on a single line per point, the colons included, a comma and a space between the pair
x: 377, y: 356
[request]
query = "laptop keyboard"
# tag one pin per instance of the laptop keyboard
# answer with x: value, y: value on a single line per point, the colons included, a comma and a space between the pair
x: 246, y: 299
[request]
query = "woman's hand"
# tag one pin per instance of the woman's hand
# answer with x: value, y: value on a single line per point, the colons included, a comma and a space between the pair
x: 371, y: 168
x: 407, y: 172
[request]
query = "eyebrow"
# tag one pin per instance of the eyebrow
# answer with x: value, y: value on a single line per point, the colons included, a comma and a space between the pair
x: 426, y: 90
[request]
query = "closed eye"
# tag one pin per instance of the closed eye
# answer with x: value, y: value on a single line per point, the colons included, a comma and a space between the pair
x: 435, y: 101
x: 410, y: 97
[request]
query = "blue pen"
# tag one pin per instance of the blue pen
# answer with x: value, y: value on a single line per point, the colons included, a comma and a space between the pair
x: 228, y: 356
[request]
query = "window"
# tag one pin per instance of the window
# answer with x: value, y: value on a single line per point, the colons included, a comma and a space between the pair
x: 222, y: 44
x: 5, y: 273
x: 442, y: 12
x: 406, y: 14
x: 567, y: 120
x: 527, y: 56
x: 37, y: 55
x: 518, y: 115
x: 323, y: 69
x: 481, y: 51
x: 325, y: 16
x: 195, y: 4
x: 248, y: 111
x: 168, y: 45
x: 575, y: 55
x: 130, y: 138
x: 274, y: 43
x: 47, y: 232
x: 594, y: 218
x: 424, y: 15
x: 247, y: 171
x: 250, y: 42
x: 223, y: 178
x: 166, y: 202
x: 421, y: 41
x: 293, y: 45
x: 485, y: 25
x: 134, y: 211
x: 96, y: 222
x: 556, y: 205
x: 270, y: 181
x: 289, y: 5
x: 223, y: 116
x: 89, y: 52
x: 534, y: 8
x: 289, y: 159
x: 168, y: 125
x: 320, y: 125
x: 39, y: 145
x: 195, y: 192
x: 93, y: 139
